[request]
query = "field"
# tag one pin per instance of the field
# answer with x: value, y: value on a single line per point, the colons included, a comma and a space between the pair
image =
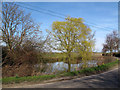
x: 58, y: 57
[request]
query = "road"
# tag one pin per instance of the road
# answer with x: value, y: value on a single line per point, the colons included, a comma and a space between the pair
x: 107, y: 79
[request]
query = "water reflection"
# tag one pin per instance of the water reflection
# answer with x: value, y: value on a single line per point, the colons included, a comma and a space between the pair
x: 61, y: 66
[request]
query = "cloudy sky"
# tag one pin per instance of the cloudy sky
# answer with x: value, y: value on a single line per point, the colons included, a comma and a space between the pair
x: 102, y: 17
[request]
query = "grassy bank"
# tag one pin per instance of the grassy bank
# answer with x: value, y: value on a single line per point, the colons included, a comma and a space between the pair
x: 9, y: 80
x: 86, y: 71
x: 92, y: 70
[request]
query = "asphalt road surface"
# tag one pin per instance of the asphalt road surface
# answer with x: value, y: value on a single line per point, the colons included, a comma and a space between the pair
x: 107, y: 79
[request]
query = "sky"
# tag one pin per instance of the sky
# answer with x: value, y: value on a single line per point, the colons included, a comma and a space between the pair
x: 102, y: 17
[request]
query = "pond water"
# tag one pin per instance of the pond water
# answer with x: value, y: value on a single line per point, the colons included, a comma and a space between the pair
x: 61, y: 66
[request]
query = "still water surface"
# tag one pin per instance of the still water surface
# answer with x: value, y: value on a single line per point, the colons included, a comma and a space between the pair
x: 61, y: 66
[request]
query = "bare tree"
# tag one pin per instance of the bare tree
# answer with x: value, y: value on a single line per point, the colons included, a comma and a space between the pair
x: 116, y: 41
x: 18, y: 28
x: 16, y: 25
x: 105, y: 48
x: 111, y: 44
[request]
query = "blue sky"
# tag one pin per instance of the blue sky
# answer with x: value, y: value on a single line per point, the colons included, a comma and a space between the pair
x: 99, y: 14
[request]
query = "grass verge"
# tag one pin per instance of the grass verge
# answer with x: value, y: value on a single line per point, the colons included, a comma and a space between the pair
x: 86, y: 71
x: 92, y: 70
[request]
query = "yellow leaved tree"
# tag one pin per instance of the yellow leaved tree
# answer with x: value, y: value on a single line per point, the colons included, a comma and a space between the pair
x: 72, y: 35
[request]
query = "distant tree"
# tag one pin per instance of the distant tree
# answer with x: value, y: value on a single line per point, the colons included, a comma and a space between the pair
x: 72, y: 35
x: 105, y: 48
x: 111, y: 43
x: 116, y: 41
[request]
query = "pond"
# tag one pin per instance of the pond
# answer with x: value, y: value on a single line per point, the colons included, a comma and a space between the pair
x: 61, y: 66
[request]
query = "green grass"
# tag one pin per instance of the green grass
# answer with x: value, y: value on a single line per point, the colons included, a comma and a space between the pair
x: 85, y: 71
x: 29, y: 78
x: 91, y: 70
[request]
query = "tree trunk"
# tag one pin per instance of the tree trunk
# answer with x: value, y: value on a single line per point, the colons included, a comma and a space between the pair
x: 69, y: 64
x: 111, y: 53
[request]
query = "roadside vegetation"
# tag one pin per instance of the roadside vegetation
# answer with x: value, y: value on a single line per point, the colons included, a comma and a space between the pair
x: 83, y: 72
